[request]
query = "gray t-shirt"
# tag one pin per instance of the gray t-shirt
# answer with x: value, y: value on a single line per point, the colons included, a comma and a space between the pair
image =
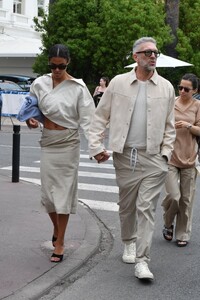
x: 137, y: 134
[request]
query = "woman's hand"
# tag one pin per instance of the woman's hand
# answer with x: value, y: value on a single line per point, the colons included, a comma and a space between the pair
x: 182, y: 124
x: 32, y: 123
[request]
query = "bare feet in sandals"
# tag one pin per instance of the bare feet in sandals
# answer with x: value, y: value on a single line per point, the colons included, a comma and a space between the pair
x: 168, y: 233
x: 57, y: 255
x: 181, y: 243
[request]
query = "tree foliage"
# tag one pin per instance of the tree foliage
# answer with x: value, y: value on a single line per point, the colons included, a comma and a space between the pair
x: 100, y: 33
x: 188, y: 45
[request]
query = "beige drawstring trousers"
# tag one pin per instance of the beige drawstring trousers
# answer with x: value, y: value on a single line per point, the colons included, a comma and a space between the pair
x: 140, y: 178
x: 179, y: 199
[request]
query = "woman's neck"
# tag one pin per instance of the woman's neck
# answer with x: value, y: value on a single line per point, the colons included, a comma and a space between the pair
x: 57, y: 80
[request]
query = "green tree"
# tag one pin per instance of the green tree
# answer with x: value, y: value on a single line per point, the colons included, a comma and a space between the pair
x: 172, y: 19
x: 188, y: 45
x: 100, y: 33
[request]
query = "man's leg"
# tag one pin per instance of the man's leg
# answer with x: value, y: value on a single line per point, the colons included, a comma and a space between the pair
x: 154, y: 174
x: 128, y: 184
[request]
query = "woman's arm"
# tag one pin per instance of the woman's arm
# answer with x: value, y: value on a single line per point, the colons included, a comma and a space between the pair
x: 195, y: 130
x: 96, y: 91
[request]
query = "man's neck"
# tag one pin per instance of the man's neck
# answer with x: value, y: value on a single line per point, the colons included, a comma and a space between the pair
x: 143, y: 75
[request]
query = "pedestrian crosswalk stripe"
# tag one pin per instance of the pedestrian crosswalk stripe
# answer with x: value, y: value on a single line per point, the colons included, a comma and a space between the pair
x: 93, y: 165
x: 96, y: 175
x: 96, y: 165
x: 98, y: 188
x: 80, y: 173
x: 82, y: 186
x: 85, y: 156
x: 101, y: 205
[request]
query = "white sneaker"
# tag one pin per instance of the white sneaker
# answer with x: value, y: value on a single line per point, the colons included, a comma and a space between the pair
x: 129, y: 253
x: 142, y: 271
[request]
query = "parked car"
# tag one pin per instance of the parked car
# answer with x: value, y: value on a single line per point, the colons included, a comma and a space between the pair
x: 22, y: 80
x: 6, y: 85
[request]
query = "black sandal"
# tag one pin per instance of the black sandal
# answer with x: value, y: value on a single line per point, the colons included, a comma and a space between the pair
x: 59, y: 256
x: 181, y: 243
x: 168, y: 233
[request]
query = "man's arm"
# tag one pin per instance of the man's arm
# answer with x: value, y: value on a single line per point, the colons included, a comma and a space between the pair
x: 170, y: 132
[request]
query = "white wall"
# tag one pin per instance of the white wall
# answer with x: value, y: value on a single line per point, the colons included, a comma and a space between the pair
x: 18, y: 66
x: 18, y: 27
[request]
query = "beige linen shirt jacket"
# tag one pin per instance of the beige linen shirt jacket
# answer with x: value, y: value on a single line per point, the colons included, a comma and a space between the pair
x: 116, y: 108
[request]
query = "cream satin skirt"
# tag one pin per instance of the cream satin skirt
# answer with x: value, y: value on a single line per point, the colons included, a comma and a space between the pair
x: 60, y: 154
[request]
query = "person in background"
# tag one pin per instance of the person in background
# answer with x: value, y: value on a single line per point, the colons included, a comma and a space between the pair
x: 100, y: 89
x: 66, y: 104
x: 181, y: 178
x: 197, y: 94
x: 139, y: 108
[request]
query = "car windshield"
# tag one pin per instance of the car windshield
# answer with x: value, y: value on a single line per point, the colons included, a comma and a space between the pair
x: 10, y: 86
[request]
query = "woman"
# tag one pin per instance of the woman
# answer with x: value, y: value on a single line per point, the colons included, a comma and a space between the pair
x: 181, y: 178
x: 99, y: 90
x: 65, y: 103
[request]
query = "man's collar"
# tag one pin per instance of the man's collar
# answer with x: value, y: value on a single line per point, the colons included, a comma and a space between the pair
x: 133, y: 77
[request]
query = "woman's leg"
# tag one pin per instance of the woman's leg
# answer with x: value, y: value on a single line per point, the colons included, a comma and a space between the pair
x: 54, y: 218
x: 171, y: 201
x: 62, y: 221
x: 184, y: 216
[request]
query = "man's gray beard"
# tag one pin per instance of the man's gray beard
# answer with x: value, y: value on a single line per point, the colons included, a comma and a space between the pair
x: 151, y: 68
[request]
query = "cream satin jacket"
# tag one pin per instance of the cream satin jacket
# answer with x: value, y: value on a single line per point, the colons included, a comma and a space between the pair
x: 116, y: 108
x: 69, y: 104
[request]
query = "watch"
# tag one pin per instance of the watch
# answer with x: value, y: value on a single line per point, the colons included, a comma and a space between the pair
x: 189, y: 126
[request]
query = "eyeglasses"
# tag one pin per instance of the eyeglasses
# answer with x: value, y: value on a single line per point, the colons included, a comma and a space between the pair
x: 186, y: 89
x: 148, y: 53
x: 60, y: 66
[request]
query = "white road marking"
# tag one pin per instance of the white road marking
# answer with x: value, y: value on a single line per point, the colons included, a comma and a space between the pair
x: 80, y: 173
x: 92, y: 165
x: 82, y: 186
x: 101, y: 205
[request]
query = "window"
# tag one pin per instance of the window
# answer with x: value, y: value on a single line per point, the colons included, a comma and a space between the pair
x: 1, y: 3
x: 17, y: 6
x: 40, y: 8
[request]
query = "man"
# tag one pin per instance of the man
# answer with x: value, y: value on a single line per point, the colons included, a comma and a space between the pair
x: 138, y: 106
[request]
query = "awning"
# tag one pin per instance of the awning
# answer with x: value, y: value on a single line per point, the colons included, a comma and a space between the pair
x: 11, y: 46
x: 165, y: 61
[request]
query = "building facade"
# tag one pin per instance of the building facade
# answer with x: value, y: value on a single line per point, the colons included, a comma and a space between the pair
x: 19, y: 42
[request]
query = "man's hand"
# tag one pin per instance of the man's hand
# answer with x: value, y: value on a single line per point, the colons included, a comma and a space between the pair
x: 101, y: 157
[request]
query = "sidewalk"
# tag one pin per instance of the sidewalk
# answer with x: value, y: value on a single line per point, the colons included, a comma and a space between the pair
x: 25, y: 268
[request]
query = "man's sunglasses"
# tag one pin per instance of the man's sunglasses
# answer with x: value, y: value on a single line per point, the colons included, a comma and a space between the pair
x: 60, y: 66
x: 148, y: 53
x: 186, y: 89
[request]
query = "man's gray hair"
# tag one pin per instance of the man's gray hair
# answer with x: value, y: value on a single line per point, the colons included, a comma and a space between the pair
x: 141, y: 41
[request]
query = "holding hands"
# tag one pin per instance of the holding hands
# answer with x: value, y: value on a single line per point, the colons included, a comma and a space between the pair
x: 101, y: 157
